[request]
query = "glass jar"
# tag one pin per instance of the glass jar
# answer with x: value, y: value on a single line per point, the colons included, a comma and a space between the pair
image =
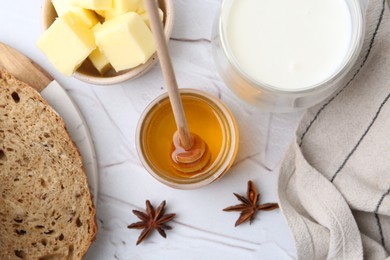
x: 207, y: 117
x: 272, y: 98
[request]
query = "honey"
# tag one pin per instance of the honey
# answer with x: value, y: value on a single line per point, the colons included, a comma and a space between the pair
x: 201, y: 120
x: 212, y: 122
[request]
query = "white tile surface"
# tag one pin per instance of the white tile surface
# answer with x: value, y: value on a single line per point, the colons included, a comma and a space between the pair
x: 201, y: 230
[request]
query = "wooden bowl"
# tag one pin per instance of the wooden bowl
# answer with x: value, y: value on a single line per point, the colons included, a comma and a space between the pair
x: 88, y: 73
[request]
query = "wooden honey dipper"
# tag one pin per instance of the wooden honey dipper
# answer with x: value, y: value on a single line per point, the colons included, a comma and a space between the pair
x: 190, y: 153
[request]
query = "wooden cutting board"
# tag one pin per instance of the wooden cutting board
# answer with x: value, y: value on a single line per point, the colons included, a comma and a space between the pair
x: 23, y: 68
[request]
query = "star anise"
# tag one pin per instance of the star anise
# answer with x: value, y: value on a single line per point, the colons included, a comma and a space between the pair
x: 152, y: 219
x: 249, y: 207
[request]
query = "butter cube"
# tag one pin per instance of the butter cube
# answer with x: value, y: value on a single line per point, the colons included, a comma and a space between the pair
x: 67, y: 43
x: 87, y: 16
x: 120, y: 7
x: 125, y: 41
x: 99, y: 61
x: 93, y: 4
x: 62, y: 6
x: 145, y: 17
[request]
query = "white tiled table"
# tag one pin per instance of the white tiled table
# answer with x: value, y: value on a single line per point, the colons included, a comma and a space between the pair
x: 201, y: 229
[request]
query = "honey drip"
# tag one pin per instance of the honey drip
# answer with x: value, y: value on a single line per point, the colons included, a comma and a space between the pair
x: 191, y: 160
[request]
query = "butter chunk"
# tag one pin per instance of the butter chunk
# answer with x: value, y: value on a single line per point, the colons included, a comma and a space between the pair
x: 93, y: 4
x: 99, y: 61
x: 126, y: 41
x: 145, y: 17
x: 120, y: 7
x: 67, y: 43
x: 87, y: 16
x: 62, y: 6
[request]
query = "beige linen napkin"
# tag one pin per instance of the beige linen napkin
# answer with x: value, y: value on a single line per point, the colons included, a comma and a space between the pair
x: 334, y: 183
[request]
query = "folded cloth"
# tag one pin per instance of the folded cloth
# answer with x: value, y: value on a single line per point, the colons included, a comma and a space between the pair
x: 334, y: 182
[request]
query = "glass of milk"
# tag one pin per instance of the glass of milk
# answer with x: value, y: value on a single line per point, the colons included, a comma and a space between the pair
x: 287, y: 55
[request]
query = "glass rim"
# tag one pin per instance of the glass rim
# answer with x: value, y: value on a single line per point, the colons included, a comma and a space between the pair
x: 351, y: 56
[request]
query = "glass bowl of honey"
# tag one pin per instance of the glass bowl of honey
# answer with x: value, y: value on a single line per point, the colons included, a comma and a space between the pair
x: 208, y: 118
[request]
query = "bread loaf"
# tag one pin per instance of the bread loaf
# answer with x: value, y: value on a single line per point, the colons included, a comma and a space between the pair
x: 46, y: 211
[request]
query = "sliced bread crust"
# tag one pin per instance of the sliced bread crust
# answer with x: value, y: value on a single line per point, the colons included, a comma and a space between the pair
x: 46, y: 210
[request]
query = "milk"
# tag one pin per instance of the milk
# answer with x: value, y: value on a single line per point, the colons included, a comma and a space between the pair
x: 288, y: 44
